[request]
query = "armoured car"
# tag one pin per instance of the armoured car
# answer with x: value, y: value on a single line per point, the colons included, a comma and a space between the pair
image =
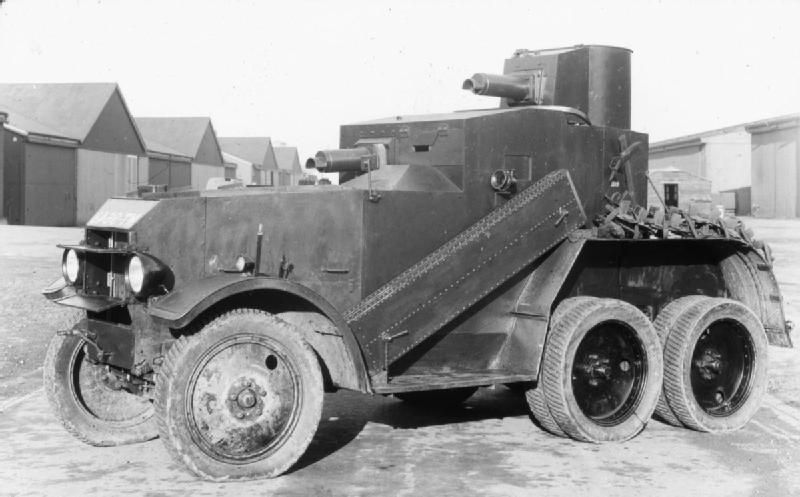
x: 509, y: 245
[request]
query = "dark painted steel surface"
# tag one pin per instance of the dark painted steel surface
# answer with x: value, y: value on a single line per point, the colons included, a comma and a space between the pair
x: 424, y: 298
x: 594, y: 79
x: 392, y: 249
x: 183, y: 306
x: 497, y: 85
x: 531, y: 141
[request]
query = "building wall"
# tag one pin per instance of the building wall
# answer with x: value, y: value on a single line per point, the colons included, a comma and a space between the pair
x: 244, y: 170
x: 694, y: 193
x: 2, y: 161
x: 689, y: 159
x: 13, y: 206
x: 50, y: 185
x: 727, y: 160
x: 775, y: 162
x: 114, y: 131
x: 284, y: 178
x: 174, y: 174
x: 201, y: 173
x: 102, y: 175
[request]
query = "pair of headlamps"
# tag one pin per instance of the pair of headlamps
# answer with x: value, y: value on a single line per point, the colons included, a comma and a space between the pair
x: 144, y: 275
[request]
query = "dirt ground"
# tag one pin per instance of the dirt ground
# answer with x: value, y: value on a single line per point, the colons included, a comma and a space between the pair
x: 378, y: 446
x: 29, y: 261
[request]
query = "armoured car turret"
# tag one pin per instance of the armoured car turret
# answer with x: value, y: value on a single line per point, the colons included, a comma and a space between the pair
x: 509, y: 245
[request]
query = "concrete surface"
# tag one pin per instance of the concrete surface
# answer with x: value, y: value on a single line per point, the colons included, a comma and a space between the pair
x: 379, y: 446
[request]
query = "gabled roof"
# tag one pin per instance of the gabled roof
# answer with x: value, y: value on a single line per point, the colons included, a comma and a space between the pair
x: 235, y: 159
x: 253, y: 149
x: 288, y: 159
x: 155, y: 148
x: 66, y: 110
x: 183, y: 135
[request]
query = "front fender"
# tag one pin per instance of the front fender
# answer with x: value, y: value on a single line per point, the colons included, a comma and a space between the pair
x: 184, y: 305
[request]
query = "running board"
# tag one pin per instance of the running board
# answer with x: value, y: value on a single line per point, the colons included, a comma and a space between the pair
x: 443, y: 381
x: 427, y: 296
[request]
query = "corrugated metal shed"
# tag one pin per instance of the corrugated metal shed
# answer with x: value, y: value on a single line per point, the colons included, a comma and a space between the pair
x: 679, y: 188
x: 288, y: 162
x: 190, y: 136
x: 258, y: 150
x: 776, y: 166
x: 65, y: 109
x: 246, y: 171
x: 720, y: 155
x: 52, y: 183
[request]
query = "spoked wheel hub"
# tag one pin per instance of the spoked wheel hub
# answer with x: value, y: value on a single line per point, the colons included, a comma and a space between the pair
x: 722, y: 367
x: 242, y: 398
x: 608, y: 373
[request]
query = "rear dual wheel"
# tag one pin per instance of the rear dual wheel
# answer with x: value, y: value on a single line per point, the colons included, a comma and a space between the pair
x: 601, y: 371
x: 715, y: 363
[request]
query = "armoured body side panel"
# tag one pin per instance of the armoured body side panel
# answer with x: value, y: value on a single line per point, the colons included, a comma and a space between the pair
x: 446, y: 284
x: 404, y: 227
x: 311, y: 238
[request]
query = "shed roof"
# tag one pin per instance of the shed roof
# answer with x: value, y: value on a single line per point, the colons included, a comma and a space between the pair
x: 697, y: 138
x: 776, y: 123
x: 183, y: 135
x: 253, y: 149
x: 288, y: 159
x: 67, y: 110
x: 674, y: 170
x: 154, y: 147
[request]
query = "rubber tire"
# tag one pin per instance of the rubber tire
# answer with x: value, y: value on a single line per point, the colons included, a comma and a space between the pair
x: 562, y: 342
x: 677, y: 364
x: 63, y: 354
x: 537, y: 403
x: 541, y: 413
x: 437, y: 399
x: 178, y: 367
x: 666, y: 320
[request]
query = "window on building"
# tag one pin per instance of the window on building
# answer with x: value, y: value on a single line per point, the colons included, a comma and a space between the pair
x: 671, y: 194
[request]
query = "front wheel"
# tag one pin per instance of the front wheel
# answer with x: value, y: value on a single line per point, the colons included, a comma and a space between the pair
x: 82, y: 400
x: 241, y: 399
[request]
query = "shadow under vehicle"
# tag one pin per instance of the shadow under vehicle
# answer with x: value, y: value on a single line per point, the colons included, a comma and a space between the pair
x: 499, y: 246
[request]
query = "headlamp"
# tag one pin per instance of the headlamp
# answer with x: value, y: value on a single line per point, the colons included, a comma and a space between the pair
x: 71, y: 266
x: 146, y: 275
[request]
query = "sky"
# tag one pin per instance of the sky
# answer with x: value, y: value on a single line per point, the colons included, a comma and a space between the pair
x: 297, y: 70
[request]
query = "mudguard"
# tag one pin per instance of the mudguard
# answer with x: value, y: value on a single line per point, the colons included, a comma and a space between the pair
x: 754, y: 284
x: 182, y: 306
